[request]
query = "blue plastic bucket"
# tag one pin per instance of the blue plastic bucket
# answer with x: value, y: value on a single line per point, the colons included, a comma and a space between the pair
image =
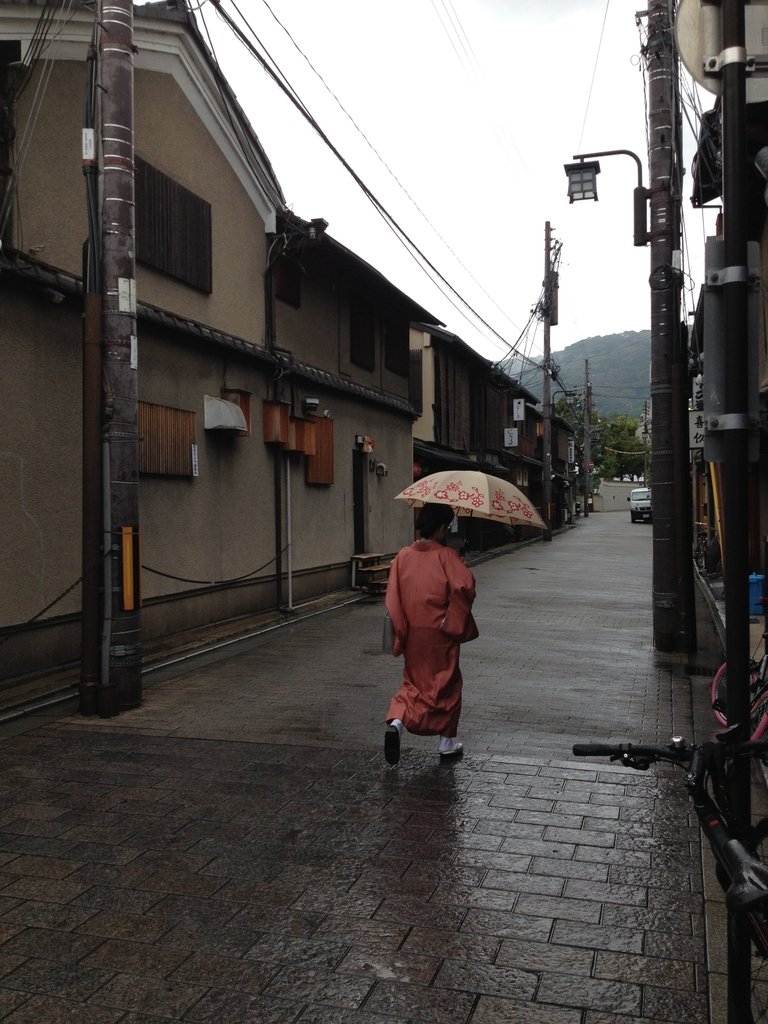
x: 755, y: 593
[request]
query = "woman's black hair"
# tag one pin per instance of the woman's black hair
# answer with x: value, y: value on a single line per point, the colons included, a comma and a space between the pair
x: 432, y: 517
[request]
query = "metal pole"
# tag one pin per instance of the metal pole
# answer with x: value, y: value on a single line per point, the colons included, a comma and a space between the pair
x: 587, y: 438
x: 736, y: 455
x: 120, y: 360
x: 546, y: 489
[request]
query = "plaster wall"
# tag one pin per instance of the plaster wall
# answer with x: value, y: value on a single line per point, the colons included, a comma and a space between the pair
x: 51, y: 219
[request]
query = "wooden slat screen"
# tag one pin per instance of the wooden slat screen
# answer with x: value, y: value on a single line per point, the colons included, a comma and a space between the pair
x: 362, y: 338
x: 415, y: 381
x: 319, y: 467
x: 167, y: 436
x: 173, y: 228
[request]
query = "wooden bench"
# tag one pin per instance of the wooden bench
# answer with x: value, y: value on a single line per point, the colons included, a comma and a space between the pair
x: 370, y: 571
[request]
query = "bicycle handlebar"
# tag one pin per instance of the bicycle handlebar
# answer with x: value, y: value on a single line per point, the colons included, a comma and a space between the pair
x: 636, y: 754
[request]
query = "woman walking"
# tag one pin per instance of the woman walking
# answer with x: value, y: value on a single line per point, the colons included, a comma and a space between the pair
x: 429, y: 599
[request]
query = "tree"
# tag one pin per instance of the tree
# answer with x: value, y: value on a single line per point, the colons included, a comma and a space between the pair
x: 620, y: 452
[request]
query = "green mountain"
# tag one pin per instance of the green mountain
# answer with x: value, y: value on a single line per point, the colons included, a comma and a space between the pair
x: 619, y: 370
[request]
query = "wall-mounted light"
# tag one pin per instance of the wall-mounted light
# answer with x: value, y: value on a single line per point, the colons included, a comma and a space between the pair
x: 317, y: 228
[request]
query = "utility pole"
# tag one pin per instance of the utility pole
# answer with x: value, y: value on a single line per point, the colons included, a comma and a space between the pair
x: 674, y: 623
x: 587, y: 438
x: 121, y: 677
x: 546, y: 488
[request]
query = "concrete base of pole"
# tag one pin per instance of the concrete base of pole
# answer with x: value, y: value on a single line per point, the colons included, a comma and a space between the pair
x: 106, y: 702
x: 88, y: 697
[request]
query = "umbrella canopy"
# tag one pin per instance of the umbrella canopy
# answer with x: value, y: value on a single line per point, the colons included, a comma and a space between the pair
x: 470, y: 493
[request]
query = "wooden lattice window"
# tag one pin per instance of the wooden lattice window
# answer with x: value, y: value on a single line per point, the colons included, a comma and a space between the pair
x: 288, y: 281
x: 396, y: 350
x: 319, y: 467
x: 167, y: 439
x: 362, y: 339
x: 173, y: 228
x: 415, y: 381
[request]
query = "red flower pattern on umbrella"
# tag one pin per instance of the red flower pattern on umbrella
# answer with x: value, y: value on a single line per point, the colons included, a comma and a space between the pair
x: 472, y: 492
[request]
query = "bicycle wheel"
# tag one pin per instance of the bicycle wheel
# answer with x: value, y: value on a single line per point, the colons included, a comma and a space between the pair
x: 719, y: 694
x: 758, y: 698
x: 700, y: 553
x: 759, y: 713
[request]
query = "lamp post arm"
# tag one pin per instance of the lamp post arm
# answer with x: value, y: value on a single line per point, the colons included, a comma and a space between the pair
x: 616, y: 152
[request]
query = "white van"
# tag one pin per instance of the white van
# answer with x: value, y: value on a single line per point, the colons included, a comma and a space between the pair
x: 640, y: 504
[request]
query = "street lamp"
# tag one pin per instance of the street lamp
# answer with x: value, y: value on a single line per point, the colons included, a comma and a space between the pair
x: 582, y: 184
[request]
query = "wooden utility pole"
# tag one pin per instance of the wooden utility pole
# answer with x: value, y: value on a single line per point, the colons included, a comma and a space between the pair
x: 674, y: 620
x: 122, y: 632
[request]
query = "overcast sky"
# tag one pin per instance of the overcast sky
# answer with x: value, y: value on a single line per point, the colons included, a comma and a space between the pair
x: 459, y: 116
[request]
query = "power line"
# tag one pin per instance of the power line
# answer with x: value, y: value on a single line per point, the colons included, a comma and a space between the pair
x: 279, y: 79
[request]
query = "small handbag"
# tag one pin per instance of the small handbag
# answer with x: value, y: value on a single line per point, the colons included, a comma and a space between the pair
x: 388, y: 638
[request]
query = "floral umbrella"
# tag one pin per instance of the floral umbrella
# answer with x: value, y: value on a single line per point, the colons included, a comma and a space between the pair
x: 470, y: 493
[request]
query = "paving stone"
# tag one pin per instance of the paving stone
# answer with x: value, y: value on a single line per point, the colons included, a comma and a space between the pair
x: 646, y: 970
x: 303, y: 986
x: 487, y: 979
x: 332, y: 1015
x: 420, y: 1004
x: 108, y: 925
x: 62, y: 946
x: 504, y: 925
x: 47, y: 977
x: 33, y: 914
x: 9, y: 962
x: 490, y: 1010
x: 566, y: 990
x: 44, y: 1010
x: 147, y: 995
x: 407, y: 967
x: 449, y: 944
x: 539, y: 956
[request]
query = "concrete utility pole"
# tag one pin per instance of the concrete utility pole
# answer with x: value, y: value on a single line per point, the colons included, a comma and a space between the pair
x: 546, y: 481
x: 121, y: 677
x: 674, y: 623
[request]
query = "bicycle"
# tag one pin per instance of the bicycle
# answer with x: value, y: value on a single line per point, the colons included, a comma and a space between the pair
x: 758, y: 696
x: 739, y: 865
x: 700, y: 549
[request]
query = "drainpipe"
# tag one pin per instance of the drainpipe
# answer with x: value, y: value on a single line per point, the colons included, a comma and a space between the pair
x: 289, y: 534
x: 91, y: 510
x: 270, y: 340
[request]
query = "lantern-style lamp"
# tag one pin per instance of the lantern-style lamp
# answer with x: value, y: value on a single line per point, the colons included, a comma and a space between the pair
x: 582, y: 180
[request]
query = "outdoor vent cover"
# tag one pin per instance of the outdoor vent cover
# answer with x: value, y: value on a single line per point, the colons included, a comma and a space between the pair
x: 221, y: 415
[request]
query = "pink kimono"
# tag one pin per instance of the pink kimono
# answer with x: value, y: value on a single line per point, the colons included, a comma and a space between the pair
x: 429, y: 599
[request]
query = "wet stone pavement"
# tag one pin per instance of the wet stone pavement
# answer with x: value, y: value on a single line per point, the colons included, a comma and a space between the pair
x: 236, y: 849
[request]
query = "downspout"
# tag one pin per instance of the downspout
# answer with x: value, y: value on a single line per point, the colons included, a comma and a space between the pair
x: 270, y: 337
x: 289, y: 535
